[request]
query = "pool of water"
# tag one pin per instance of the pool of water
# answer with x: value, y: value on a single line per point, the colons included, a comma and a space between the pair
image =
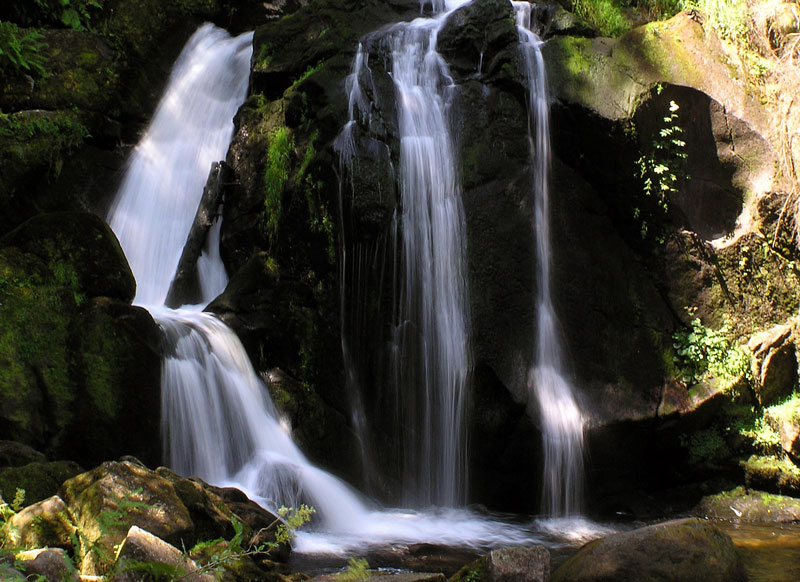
x: 770, y: 552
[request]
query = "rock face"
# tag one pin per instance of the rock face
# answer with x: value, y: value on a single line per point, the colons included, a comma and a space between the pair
x: 681, y: 551
x: 81, y: 370
x: 51, y: 564
x: 774, y: 363
x: 518, y: 565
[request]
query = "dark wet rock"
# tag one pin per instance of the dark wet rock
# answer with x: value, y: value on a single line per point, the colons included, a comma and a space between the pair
x: 743, y: 505
x: 479, y: 38
x: 14, y: 454
x: 688, y: 550
x: 185, y: 288
x: 79, y: 248
x: 39, y: 480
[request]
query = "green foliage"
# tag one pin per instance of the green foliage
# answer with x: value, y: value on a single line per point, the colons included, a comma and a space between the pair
x: 276, y: 174
x: 292, y: 520
x: 704, y: 352
x: 660, y: 168
x: 74, y: 14
x: 61, y: 127
x: 20, y: 50
x: 616, y: 17
x: 762, y: 435
x: 729, y: 17
x: 357, y: 570
x: 703, y: 446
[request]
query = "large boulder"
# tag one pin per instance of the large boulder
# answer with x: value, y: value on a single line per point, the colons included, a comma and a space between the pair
x: 106, y: 501
x: 39, y: 480
x: 143, y: 556
x: 80, y: 376
x: 689, y: 550
x: 40, y: 525
x: 80, y: 250
x: 47, y: 565
x: 749, y: 506
x: 774, y: 363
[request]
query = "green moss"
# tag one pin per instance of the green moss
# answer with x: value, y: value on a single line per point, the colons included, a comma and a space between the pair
x: 472, y: 572
x: 771, y: 472
x: 39, y: 480
x: 276, y: 174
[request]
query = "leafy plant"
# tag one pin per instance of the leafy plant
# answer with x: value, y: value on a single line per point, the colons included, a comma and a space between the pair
x: 21, y: 50
x: 357, y: 570
x: 702, y: 351
x: 74, y: 14
x: 661, y: 168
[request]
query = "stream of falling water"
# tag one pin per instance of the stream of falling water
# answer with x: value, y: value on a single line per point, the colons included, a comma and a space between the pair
x: 218, y: 421
x: 562, y: 423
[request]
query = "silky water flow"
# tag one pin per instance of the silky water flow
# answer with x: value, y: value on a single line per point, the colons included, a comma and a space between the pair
x: 218, y: 422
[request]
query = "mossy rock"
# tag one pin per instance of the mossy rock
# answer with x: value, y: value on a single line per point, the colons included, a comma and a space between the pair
x: 749, y: 506
x: 41, y: 525
x: 14, y: 454
x: 773, y: 474
x: 38, y: 480
x: 111, y: 498
x: 688, y: 550
x: 80, y: 249
x: 34, y: 146
x: 79, y: 378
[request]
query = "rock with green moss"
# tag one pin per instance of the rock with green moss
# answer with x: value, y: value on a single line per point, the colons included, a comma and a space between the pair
x: 689, y: 550
x: 784, y: 419
x: 772, y: 473
x: 39, y: 480
x: 81, y: 252
x: 14, y: 454
x: 749, y: 506
x: 41, y: 525
x: 106, y: 501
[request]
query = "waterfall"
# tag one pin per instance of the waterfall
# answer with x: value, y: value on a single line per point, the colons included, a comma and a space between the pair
x: 562, y: 423
x: 218, y: 421
x: 433, y: 323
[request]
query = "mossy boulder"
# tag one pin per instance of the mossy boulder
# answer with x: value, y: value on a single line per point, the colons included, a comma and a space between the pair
x: 14, y: 454
x: 80, y: 250
x: 40, y: 525
x: 34, y: 147
x: 39, y: 480
x: 80, y: 377
x: 530, y: 564
x: 749, y: 506
x: 688, y: 550
x: 106, y: 501
x: 773, y: 474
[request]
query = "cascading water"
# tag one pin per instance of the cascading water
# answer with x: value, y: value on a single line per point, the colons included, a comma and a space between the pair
x: 429, y: 356
x: 433, y: 322
x: 562, y: 423
x: 218, y: 421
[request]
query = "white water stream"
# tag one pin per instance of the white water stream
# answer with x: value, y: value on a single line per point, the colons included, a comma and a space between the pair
x: 218, y: 421
x: 562, y: 423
